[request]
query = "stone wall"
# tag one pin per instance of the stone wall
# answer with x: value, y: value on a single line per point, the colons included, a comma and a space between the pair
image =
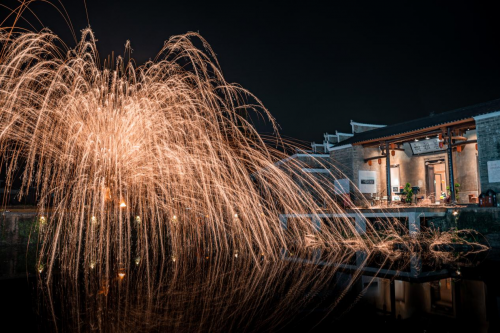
x: 488, y: 139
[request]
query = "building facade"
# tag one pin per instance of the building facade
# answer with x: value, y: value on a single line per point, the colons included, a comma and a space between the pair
x: 452, y: 156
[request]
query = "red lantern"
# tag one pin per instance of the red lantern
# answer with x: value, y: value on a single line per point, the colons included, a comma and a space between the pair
x: 393, y: 146
x: 476, y: 146
x: 393, y: 152
x: 370, y: 162
x: 459, y: 149
x: 379, y: 161
x: 440, y: 136
x: 441, y: 145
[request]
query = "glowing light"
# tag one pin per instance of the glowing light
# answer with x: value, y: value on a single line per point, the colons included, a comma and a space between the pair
x: 455, y: 213
x: 235, y: 216
x: 93, y: 219
x: 123, y: 204
x: 121, y: 272
x: 137, y: 260
x: 92, y: 265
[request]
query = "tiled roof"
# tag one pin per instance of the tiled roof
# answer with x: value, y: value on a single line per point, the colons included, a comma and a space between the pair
x: 425, y: 122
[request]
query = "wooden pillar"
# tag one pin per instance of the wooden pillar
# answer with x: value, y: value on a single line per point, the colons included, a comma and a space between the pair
x: 388, y: 172
x: 393, y: 298
x: 450, y: 167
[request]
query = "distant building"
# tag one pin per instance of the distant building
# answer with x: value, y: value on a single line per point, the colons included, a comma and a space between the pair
x: 317, y: 166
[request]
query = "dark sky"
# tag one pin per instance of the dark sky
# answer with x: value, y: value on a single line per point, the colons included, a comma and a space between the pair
x: 317, y: 66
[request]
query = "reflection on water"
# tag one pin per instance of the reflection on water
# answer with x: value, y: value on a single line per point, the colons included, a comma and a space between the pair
x: 404, y: 299
x: 310, y: 290
x: 313, y: 289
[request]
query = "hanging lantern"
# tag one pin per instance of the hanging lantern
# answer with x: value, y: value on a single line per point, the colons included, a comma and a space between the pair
x: 379, y: 161
x: 441, y: 145
x: 476, y: 146
x: 440, y: 136
x: 370, y: 162
x: 459, y: 149
x: 393, y: 146
x: 393, y: 152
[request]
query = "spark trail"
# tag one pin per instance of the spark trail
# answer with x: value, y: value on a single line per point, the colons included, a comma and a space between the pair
x: 144, y: 162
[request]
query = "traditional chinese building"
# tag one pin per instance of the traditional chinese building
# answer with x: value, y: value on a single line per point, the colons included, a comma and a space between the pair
x: 456, y: 154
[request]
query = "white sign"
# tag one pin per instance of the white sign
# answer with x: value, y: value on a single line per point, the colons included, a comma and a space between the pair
x: 367, y: 181
x: 395, y: 179
x: 494, y: 171
x: 425, y: 146
x: 341, y: 186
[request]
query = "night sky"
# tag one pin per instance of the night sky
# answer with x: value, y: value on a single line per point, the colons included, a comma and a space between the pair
x: 317, y: 66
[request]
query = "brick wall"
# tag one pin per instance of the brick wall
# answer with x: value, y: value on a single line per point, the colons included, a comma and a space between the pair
x: 465, y: 170
x: 361, y: 128
x: 488, y: 139
x: 317, y: 184
x: 342, y: 162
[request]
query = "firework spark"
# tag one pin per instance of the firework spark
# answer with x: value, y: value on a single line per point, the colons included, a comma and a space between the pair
x: 141, y: 164
x: 144, y: 162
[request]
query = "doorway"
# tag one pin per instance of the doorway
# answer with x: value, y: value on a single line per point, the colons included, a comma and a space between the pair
x: 435, y: 172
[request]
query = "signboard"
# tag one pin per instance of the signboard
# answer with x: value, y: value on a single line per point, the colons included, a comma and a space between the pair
x: 494, y: 171
x: 395, y: 179
x: 367, y: 181
x: 425, y: 146
x: 341, y: 186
